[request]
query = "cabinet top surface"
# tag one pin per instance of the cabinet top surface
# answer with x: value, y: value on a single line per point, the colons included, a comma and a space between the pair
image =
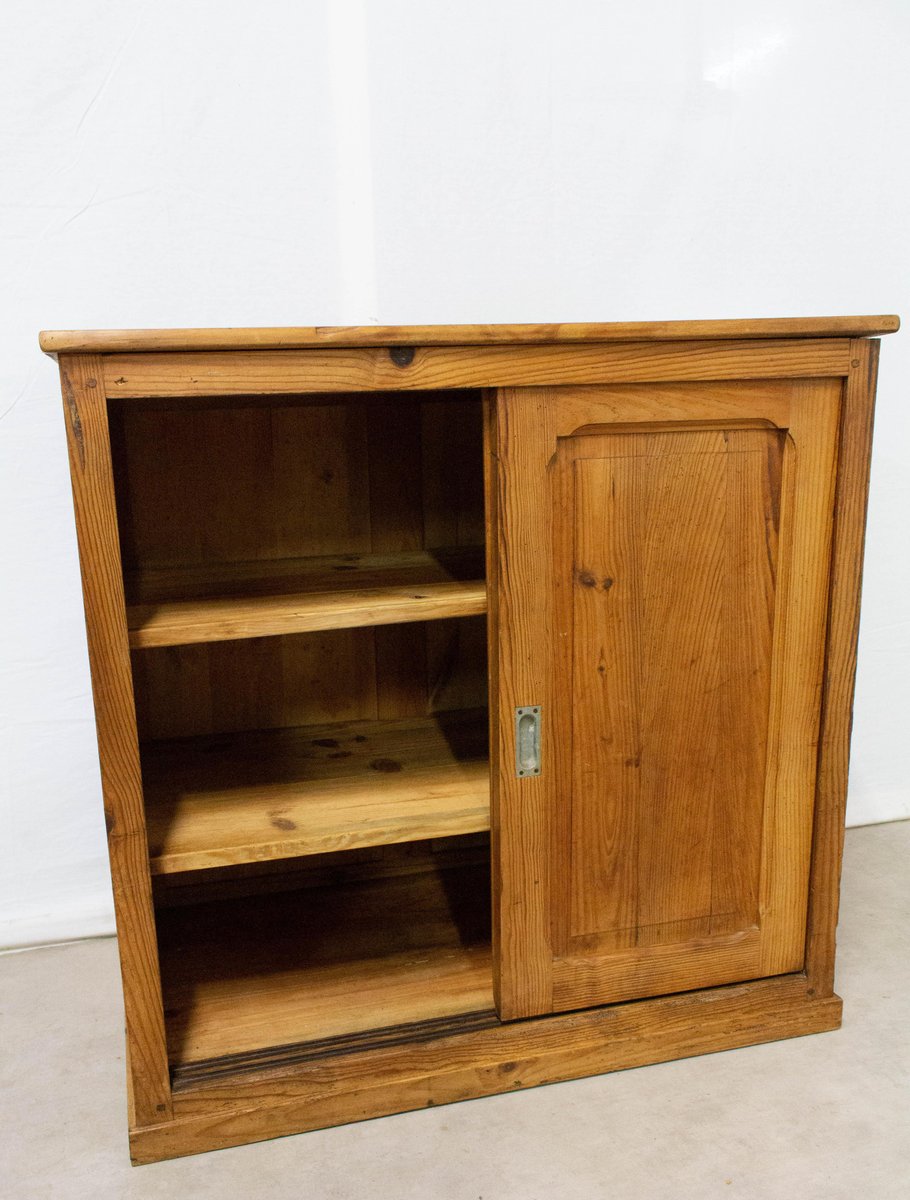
x: 119, y: 341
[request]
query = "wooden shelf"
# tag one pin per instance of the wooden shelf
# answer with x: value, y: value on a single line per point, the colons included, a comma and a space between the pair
x: 223, y: 602
x: 278, y: 793
x: 277, y: 970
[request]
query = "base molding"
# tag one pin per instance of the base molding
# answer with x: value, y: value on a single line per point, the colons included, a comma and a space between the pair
x: 231, y: 1110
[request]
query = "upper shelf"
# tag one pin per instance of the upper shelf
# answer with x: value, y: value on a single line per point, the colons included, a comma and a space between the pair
x: 118, y: 341
x: 177, y: 606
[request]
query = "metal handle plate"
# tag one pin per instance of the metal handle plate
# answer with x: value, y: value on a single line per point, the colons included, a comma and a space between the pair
x: 527, y: 741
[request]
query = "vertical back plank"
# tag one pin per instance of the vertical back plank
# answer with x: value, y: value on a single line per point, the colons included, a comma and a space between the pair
x: 396, y: 523
x: 453, y: 515
x: 321, y: 493
x: 234, y: 486
x: 105, y: 616
x: 173, y: 691
x: 321, y: 501
x: 452, y: 473
x: 161, y: 459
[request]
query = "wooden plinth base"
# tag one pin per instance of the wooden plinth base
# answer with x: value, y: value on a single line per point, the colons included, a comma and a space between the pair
x: 247, y: 1102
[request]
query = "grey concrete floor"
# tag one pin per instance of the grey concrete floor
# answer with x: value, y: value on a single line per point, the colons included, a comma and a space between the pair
x: 818, y: 1118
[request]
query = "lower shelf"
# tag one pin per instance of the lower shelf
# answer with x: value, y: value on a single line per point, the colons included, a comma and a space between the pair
x: 275, y: 970
x: 249, y: 797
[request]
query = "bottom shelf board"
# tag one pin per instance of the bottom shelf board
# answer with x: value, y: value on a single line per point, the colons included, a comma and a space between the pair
x: 225, y: 799
x: 280, y: 969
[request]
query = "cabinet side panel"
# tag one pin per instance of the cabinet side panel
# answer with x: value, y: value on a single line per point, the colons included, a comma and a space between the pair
x: 102, y: 584
x: 840, y: 666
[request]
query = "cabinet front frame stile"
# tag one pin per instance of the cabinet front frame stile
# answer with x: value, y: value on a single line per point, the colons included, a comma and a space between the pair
x: 88, y: 440
x: 530, y: 1043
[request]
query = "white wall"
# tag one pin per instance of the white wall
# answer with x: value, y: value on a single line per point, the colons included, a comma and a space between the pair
x: 210, y: 163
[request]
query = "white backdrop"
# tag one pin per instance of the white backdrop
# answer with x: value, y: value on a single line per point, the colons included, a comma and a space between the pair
x: 392, y: 161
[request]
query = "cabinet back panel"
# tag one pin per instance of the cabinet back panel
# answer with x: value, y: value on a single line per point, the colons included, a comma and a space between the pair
x: 243, y: 483
x: 311, y: 679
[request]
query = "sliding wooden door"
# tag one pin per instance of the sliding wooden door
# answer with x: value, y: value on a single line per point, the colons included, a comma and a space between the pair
x: 659, y: 615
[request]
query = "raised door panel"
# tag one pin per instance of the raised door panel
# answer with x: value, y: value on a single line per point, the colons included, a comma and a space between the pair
x: 662, y: 577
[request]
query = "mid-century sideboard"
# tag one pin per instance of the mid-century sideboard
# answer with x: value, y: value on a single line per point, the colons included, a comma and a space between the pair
x: 473, y: 702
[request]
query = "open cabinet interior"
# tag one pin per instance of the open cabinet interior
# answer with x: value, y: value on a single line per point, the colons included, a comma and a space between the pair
x: 304, y: 579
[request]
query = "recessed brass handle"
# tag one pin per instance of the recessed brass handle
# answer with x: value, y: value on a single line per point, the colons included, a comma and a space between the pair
x: 527, y: 740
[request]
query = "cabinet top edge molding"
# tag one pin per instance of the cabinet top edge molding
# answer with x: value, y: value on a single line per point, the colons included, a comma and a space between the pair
x: 117, y: 341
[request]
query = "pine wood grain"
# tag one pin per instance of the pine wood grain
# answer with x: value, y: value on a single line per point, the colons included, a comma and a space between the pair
x: 674, y: 561
x: 102, y: 586
x: 319, y: 573
x: 276, y: 372
x: 491, y: 485
x: 354, y: 495
x: 281, y: 793
x: 641, y: 603
x: 296, y: 479
x: 309, y: 679
x: 810, y: 469
x: 522, y: 810
x: 855, y: 443
x: 649, y: 862
x: 177, y: 623
x: 398, y: 527
x: 482, y: 1062
x: 106, y: 341
x: 344, y: 867
x: 268, y: 971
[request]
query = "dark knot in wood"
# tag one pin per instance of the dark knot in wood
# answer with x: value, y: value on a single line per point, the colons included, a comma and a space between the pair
x: 402, y: 356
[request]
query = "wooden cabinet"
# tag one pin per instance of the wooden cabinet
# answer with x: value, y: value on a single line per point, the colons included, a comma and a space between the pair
x: 451, y: 676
